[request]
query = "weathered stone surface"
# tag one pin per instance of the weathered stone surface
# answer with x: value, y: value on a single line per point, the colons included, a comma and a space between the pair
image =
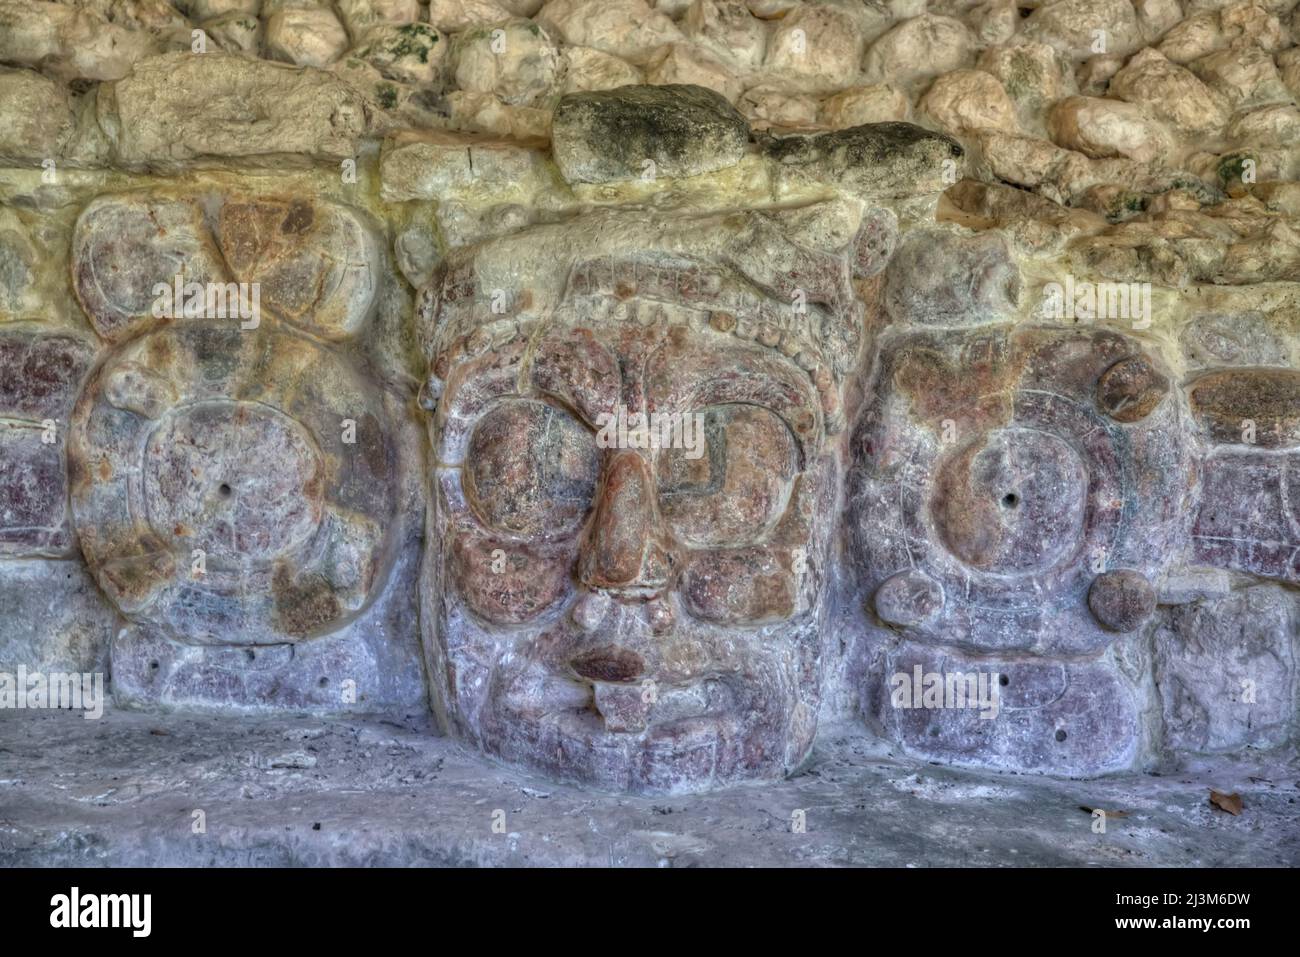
x: 407, y: 52
x: 876, y: 161
x: 922, y: 46
x: 945, y: 279
x: 1249, y: 406
x: 35, y: 116
x: 33, y: 492
x: 985, y: 463
x: 422, y: 798
x: 966, y: 100
x: 859, y: 106
x: 1245, y: 339
x: 1172, y: 93
x: 1071, y: 26
x: 316, y: 264
x: 72, y: 42
x: 682, y: 64
x: 726, y: 29
x: 1249, y: 519
x: 1101, y: 128
x: 305, y: 36
x: 645, y: 131
x: 125, y: 245
x: 515, y: 60
x: 588, y: 69
x: 1032, y: 74
x: 1073, y: 719
x: 819, y: 43
x: 55, y: 618
x: 1226, y: 671
x: 1122, y: 600
x: 430, y: 165
x: 681, y: 652
x: 40, y: 375
x: 625, y: 28
x: 218, y: 491
x: 513, y: 217
x: 252, y: 109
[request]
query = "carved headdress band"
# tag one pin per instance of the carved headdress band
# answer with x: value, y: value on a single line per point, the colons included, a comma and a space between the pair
x: 759, y: 286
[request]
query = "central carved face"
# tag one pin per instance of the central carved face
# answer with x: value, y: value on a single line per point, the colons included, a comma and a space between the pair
x: 629, y: 607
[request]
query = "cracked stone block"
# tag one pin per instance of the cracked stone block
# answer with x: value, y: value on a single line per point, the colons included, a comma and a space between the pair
x: 1070, y: 718
x: 636, y: 620
x: 1249, y: 519
x: 55, y: 618
x: 1226, y: 670
x: 428, y: 165
x: 1030, y: 510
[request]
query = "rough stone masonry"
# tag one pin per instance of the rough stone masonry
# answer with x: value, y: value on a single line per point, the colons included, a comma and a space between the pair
x: 313, y: 316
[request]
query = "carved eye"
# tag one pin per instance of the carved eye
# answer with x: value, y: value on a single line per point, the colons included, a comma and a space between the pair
x: 531, y: 470
x: 732, y: 486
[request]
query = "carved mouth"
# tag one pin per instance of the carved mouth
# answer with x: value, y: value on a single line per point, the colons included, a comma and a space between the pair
x: 633, y: 708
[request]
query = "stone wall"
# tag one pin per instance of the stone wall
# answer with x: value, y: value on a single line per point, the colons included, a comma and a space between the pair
x: 641, y: 386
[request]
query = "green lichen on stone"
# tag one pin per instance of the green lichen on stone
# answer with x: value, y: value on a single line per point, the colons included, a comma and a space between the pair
x: 1232, y: 166
x: 387, y: 94
x: 414, y: 39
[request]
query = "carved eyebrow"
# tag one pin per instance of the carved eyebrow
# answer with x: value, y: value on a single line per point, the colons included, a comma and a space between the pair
x: 768, y: 370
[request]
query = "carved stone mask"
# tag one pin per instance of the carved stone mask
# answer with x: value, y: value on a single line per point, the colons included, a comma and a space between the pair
x: 632, y: 506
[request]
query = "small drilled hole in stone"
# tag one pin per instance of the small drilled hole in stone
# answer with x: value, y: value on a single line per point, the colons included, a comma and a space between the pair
x: 153, y: 666
x: 1010, y: 500
x: 324, y: 682
x: 250, y: 654
x: 224, y: 490
x: 1004, y: 680
x: 1061, y: 735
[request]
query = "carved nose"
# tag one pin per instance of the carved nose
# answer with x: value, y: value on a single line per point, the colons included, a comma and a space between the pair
x: 624, y: 552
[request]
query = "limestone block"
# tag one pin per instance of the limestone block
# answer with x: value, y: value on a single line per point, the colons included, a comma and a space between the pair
x: 35, y: 117
x: 516, y: 60
x: 607, y: 136
x: 1227, y: 672
x: 876, y: 161
x: 252, y: 109
x: 942, y: 278
x: 1249, y: 519
x: 55, y: 618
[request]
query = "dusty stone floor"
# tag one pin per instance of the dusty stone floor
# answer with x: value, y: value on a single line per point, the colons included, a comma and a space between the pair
x: 123, y: 790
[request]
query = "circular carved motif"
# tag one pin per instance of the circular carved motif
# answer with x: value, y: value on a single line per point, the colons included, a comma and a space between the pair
x: 1011, y: 501
x: 205, y: 484
x: 233, y: 486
